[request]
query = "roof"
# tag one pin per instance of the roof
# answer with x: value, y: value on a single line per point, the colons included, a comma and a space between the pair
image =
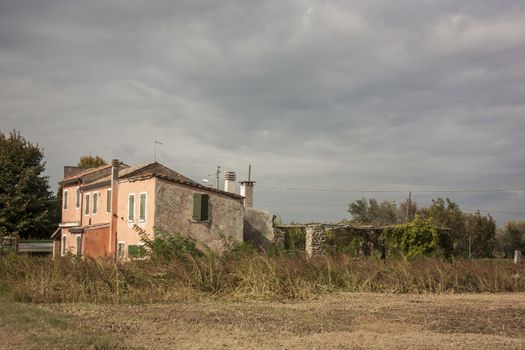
x: 146, y: 171
x: 90, y: 175
x: 86, y: 172
x: 190, y: 183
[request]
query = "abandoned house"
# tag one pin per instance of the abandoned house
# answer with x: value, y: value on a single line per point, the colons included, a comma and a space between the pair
x: 102, y: 208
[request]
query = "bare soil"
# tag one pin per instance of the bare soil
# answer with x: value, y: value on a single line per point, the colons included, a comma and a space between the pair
x: 337, y: 321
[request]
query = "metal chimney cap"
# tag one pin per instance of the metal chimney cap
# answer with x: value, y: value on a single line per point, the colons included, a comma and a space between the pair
x: 230, y: 175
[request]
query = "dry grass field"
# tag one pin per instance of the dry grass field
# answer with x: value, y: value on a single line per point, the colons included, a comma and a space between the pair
x: 332, y: 321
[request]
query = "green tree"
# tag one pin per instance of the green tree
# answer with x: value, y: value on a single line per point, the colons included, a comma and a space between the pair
x: 481, y: 233
x: 87, y: 162
x: 446, y: 214
x: 512, y: 238
x: 24, y: 191
x: 370, y: 212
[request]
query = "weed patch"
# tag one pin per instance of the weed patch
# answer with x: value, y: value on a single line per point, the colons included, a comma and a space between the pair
x: 240, y: 276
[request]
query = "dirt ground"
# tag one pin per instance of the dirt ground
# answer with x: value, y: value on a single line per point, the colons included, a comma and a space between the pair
x: 337, y: 321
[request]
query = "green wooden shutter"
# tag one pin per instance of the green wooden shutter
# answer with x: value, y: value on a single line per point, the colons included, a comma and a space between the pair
x: 200, y: 207
x: 204, y: 207
x: 142, y: 207
x: 108, y: 201
x: 133, y: 250
x: 79, y: 245
x: 197, y: 212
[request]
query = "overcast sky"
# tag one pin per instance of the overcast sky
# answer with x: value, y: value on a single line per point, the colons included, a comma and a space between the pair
x: 333, y: 95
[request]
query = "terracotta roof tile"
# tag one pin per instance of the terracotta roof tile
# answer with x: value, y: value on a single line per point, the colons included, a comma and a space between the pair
x: 86, y: 172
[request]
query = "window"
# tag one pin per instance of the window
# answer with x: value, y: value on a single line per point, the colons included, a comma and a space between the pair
x: 200, y: 207
x: 135, y: 250
x: 64, y: 241
x: 95, y: 203
x: 131, y: 207
x: 121, y: 246
x: 108, y: 201
x: 87, y: 204
x: 78, y: 198
x: 65, y: 199
x: 142, y: 209
x: 79, y: 245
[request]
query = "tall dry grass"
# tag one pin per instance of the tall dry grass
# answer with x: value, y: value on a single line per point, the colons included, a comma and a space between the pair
x: 254, y: 276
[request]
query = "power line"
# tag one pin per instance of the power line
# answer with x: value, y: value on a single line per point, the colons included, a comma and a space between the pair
x: 425, y: 205
x: 479, y: 190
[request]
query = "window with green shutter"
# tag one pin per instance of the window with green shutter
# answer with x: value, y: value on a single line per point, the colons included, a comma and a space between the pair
x: 66, y: 199
x: 87, y: 204
x: 121, y: 247
x: 131, y: 207
x: 108, y: 201
x: 77, y: 204
x: 95, y: 203
x: 200, y: 207
x: 135, y: 250
x: 79, y: 245
x: 142, y: 207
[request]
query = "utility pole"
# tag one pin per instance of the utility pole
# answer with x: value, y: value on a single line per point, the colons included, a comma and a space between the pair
x: 217, y: 176
x: 409, y: 204
x: 155, y: 149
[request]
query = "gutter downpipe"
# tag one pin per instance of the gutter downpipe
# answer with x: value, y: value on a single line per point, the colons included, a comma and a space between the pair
x: 115, y: 166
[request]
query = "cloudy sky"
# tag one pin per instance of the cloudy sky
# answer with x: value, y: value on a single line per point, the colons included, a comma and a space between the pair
x: 326, y: 99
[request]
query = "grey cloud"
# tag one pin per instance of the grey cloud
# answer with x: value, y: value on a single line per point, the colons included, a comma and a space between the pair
x: 364, y: 93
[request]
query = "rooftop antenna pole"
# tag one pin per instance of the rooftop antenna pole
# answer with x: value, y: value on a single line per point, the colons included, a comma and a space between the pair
x: 249, y: 172
x: 409, y: 204
x: 155, y: 148
x: 217, y: 176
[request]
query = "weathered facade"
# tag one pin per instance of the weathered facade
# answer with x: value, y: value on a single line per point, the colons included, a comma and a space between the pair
x: 103, y: 206
x: 174, y: 211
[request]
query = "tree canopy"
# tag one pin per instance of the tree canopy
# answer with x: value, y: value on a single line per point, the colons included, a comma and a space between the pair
x: 87, y: 162
x: 512, y: 238
x: 373, y: 213
x: 461, y: 234
x: 24, y: 191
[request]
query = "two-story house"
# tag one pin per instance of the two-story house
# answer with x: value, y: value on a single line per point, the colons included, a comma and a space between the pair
x: 103, y: 206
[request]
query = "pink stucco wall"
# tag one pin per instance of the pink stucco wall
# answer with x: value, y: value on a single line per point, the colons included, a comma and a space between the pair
x: 72, y: 213
x: 125, y: 232
x: 95, y: 242
x: 71, y: 242
x: 102, y: 215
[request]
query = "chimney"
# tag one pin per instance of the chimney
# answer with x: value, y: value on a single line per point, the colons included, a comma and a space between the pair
x: 71, y: 170
x: 247, y: 193
x: 229, y: 181
x: 247, y: 189
x: 115, y: 167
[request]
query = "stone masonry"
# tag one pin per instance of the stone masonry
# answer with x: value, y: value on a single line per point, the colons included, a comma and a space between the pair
x: 315, y: 239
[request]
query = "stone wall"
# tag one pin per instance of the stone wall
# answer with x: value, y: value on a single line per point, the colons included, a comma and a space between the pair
x: 174, y: 209
x: 258, y: 227
x: 315, y: 239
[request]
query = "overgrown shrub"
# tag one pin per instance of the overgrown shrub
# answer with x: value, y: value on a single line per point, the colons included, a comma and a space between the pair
x: 417, y: 238
x: 167, y: 245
